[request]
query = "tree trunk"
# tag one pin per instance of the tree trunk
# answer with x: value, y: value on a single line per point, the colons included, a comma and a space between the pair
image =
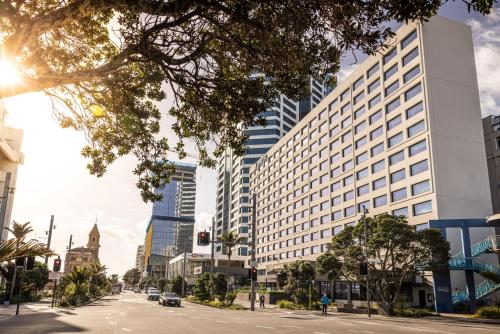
x: 387, y: 308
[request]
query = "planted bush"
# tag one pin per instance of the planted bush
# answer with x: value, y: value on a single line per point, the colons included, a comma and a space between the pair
x: 488, y: 312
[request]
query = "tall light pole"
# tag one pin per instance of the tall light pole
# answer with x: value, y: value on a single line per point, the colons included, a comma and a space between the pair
x: 49, y: 232
x: 252, y: 251
x: 365, y: 225
x: 212, y: 246
x: 66, y: 265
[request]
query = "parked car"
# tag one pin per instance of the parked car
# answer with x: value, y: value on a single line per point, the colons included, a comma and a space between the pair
x: 169, y: 298
x: 137, y: 290
x: 153, y: 294
x: 115, y: 290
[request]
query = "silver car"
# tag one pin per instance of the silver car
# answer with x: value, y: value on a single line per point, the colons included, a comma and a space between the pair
x: 169, y: 298
x: 153, y: 294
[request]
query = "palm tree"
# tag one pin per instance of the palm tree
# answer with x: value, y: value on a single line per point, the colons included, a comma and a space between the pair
x: 20, y: 231
x: 230, y: 240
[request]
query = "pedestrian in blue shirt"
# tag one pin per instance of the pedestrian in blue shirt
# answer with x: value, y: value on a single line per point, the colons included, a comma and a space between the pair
x: 325, y: 301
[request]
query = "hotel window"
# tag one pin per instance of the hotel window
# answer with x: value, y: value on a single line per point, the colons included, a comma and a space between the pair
x: 315, y: 222
x: 348, y: 180
x: 358, y: 98
x: 357, y: 83
x: 333, y: 104
x: 408, y: 39
x: 336, y: 157
x: 348, y: 165
x: 375, y: 117
x: 378, y: 183
x: 379, y: 201
x: 315, y: 249
x: 358, y: 113
x: 412, y: 92
x: 390, y: 72
x: 348, y: 195
x: 349, y: 211
x: 376, y: 133
x: 374, y: 69
x: 324, y: 219
x: 336, y: 200
x: 392, y: 88
x: 361, y: 142
x: 416, y: 128
x: 394, y: 140
x: 414, y: 110
x: 398, y: 176
x: 410, y: 56
x: 324, y: 205
x: 378, y: 166
x: 360, y: 127
x: 391, y: 124
x: 419, y: 167
x: 334, y: 117
x: 377, y: 149
x: 373, y: 86
x: 361, y: 158
x: 392, y: 105
x: 347, y: 151
x: 411, y: 74
x: 400, y: 212
x: 422, y: 208
x: 420, y: 188
x: 362, y: 190
x: 374, y: 101
x: 337, y: 229
x: 362, y: 173
x: 346, y: 122
x: 390, y: 55
x: 306, y: 238
x: 334, y: 144
x: 336, y: 186
x: 417, y: 148
x: 336, y: 215
x: 398, y: 195
x: 346, y: 137
x: 344, y: 95
x: 396, y: 157
x: 326, y: 233
x: 363, y: 205
x: 345, y: 108
x: 323, y: 165
x: 323, y: 192
x: 323, y: 178
x: 322, y: 139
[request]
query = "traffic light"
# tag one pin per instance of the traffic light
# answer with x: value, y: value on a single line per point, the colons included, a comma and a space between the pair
x: 20, y: 262
x: 253, y: 274
x: 57, y: 265
x: 363, y: 268
x: 30, y: 263
x: 203, y: 238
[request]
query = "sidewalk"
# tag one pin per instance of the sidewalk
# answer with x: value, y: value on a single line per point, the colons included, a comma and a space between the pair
x: 9, y: 311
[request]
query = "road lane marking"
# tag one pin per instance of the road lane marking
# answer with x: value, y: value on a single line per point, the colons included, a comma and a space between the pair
x: 195, y: 317
x: 320, y: 333
x: 355, y: 331
x: 222, y: 322
x: 127, y: 330
x: 112, y: 323
x: 265, y: 327
x: 291, y: 326
x: 421, y: 329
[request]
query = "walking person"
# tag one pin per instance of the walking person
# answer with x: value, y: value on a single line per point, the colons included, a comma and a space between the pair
x: 324, y: 302
x: 262, y: 299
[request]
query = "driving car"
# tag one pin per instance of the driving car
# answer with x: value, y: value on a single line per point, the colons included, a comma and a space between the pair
x: 153, y: 294
x: 137, y: 290
x: 169, y: 298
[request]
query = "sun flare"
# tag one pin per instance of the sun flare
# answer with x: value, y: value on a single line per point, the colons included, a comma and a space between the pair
x: 8, y: 74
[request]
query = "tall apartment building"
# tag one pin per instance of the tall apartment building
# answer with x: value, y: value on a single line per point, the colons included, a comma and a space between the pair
x: 402, y: 134
x: 170, y: 229
x: 10, y: 158
x: 232, y: 210
x: 491, y: 128
x: 139, y: 258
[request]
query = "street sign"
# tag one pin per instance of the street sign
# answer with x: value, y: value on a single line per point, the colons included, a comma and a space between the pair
x: 54, y: 275
x: 375, y: 261
x: 253, y: 264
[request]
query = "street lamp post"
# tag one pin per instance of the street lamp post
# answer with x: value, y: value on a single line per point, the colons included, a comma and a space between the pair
x: 49, y: 232
x: 252, y: 251
x: 365, y: 225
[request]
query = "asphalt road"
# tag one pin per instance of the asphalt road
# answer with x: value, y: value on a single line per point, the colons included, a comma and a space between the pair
x: 132, y: 313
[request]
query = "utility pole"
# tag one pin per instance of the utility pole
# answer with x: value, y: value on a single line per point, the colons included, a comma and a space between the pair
x: 184, y: 269
x: 365, y: 225
x: 252, y: 251
x: 23, y: 268
x: 51, y: 226
x: 212, y: 248
x: 67, y: 253
x: 5, y: 198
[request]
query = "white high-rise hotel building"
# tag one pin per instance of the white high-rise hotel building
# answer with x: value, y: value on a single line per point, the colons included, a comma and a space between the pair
x: 232, y: 207
x: 402, y: 134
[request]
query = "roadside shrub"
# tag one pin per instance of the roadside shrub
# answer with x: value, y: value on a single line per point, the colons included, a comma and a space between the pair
x: 230, y: 297
x: 314, y: 306
x: 191, y: 299
x: 488, y: 312
x: 216, y: 304
x: 413, y: 312
x: 237, y: 307
x: 286, y: 304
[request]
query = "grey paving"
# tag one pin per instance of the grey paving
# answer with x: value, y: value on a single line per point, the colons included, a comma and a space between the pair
x: 132, y: 313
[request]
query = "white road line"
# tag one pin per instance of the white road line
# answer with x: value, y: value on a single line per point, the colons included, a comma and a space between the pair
x: 195, y: 317
x: 265, y: 327
x: 112, y: 323
x: 320, y: 333
x: 406, y: 328
x: 107, y: 318
x: 127, y: 330
x: 355, y: 331
x: 222, y: 322
x: 291, y: 326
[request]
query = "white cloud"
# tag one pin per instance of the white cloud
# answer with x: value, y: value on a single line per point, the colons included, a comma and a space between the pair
x: 486, y: 37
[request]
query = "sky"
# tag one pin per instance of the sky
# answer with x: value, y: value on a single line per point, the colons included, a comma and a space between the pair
x: 54, y: 181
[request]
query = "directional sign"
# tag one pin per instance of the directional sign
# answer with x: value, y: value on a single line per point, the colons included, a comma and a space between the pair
x: 253, y: 264
x: 54, y: 275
